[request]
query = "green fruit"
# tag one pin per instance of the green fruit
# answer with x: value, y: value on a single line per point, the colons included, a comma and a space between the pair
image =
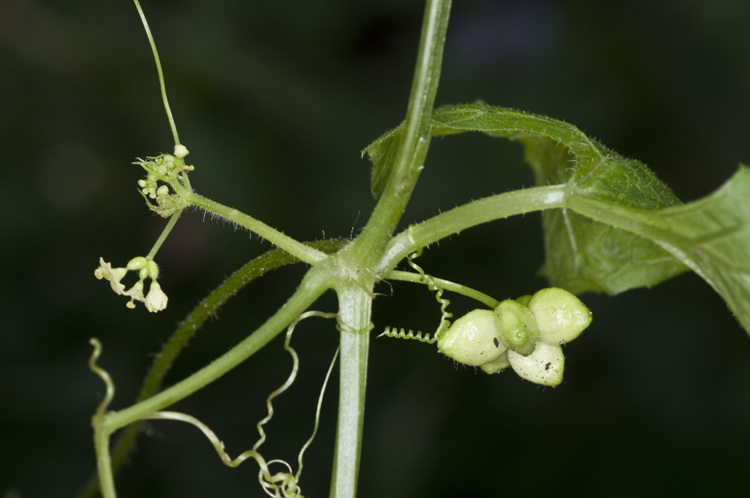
x: 524, y: 299
x: 473, y: 339
x: 518, y: 327
x: 544, y: 366
x: 560, y: 316
x: 497, y: 365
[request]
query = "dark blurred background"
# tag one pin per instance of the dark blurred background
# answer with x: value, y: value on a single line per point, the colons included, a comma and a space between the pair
x: 275, y: 100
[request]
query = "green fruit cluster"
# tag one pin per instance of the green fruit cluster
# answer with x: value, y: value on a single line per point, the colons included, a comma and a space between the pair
x: 525, y: 334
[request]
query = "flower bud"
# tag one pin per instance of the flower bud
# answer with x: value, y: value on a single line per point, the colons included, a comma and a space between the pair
x: 180, y: 151
x: 155, y: 300
x: 136, y: 263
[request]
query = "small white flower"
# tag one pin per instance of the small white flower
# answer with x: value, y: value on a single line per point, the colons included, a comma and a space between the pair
x: 114, y: 275
x: 180, y: 151
x: 135, y: 293
x: 156, y: 300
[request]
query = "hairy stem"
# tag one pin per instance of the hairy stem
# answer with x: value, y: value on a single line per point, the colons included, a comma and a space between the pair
x: 312, y: 286
x: 295, y: 248
x: 469, y: 215
x: 415, y: 139
x: 416, y: 278
x: 185, y: 331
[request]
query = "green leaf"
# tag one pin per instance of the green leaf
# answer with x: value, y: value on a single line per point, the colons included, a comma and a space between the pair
x: 621, y: 227
x: 586, y: 255
x: 711, y: 236
x: 582, y: 254
x: 382, y: 153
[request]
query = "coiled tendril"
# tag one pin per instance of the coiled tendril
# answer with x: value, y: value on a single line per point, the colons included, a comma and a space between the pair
x: 445, y: 315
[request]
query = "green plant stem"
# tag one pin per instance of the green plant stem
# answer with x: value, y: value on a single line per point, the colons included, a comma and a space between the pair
x: 103, y: 461
x: 355, y: 296
x: 355, y: 306
x: 312, y: 286
x: 468, y: 215
x: 415, y: 139
x: 295, y: 248
x: 185, y: 331
x: 167, y: 229
x: 416, y: 278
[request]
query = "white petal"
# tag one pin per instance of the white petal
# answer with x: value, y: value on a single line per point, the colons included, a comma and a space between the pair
x: 156, y: 300
x: 135, y: 292
x: 114, y: 275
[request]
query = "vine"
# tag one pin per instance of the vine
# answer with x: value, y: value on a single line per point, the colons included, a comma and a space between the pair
x: 588, y: 194
x: 284, y: 484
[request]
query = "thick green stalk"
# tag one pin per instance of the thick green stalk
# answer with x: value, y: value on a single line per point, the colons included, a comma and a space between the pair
x: 355, y: 296
x: 355, y: 306
x: 103, y: 461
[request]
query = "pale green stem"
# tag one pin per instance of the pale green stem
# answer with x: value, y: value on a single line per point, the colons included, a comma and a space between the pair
x: 355, y: 298
x: 416, y: 278
x: 415, y: 138
x: 469, y: 215
x: 312, y: 286
x: 103, y: 461
x: 164, y: 233
x: 295, y: 248
x: 355, y: 308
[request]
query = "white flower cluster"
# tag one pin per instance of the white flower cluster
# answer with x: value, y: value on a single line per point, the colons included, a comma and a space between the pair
x: 154, y: 301
x: 161, y: 171
x: 524, y: 334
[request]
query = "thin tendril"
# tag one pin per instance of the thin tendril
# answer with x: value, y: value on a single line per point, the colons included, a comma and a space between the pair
x: 281, y: 484
x: 110, y: 392
x: 317, y: 414
x: 159, y: 71
x: 430, y: 281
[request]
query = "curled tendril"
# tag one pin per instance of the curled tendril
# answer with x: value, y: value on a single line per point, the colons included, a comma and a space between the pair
x: 402, y: 333
x: 283, y: 483
x: 438, y: 290
x: 280, y: 484
x: 110, y: 392
x: 445, y: 315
